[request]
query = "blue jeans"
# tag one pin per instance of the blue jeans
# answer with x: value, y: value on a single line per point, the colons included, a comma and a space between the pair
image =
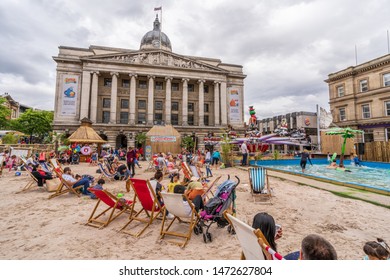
x: 83, y: 182
x: 244, y: 159
x: 208, y: 170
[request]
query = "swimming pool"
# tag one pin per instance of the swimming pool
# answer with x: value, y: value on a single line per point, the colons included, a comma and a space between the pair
x: 374, y: 175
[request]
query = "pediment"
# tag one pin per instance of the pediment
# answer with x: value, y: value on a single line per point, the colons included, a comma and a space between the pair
x: 156, y: 58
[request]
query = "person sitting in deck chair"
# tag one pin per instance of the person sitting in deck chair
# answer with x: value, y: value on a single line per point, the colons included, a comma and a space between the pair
x: 75, y: 181
x: 40, y: 174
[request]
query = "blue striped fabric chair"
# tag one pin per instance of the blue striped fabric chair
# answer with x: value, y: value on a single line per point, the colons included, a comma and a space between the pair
x: 105, y: 172
x: 258, y: 179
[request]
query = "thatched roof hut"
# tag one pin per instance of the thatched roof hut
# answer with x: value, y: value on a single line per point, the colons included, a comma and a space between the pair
x: 164, y: 139
x: 85, y: 134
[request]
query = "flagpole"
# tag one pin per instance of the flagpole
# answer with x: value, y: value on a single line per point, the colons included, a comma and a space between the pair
x: 160, y: 25
x: 318, y: 131
x: 388, y: 42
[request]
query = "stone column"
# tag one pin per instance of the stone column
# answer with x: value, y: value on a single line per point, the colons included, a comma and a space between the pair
x: 150, y: 100
x: 114, y: 95
x: 185, y: 102
x: 85, y: 91
x: 201, y: 102
x: 223, y: 104
x: 94, y: 96
x: 168, y: 100
x: 132, y: 101
x: 216, y: 103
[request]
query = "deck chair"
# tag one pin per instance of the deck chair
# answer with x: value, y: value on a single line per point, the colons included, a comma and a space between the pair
x: 209, y: 189
x: 151, y: 208
x: 33, y: 182
x: 186, y: 170
x: 56, y: 165
x: 194, y: 172
x: 45, y: 167
x: 1, y: 164
x: 105, y: 173
x: 253, y: 243
x: 63, y: 187
x: 258, y: 179
x: 115, y: 208
x: 173, y: 203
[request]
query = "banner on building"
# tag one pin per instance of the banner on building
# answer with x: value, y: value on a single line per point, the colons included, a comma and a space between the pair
x: 325, y: 118
x: 69, y: 95
x: 234, y: 105
x: 162, y: 138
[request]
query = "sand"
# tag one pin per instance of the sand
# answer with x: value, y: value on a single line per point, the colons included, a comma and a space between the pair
x: 34, y: 227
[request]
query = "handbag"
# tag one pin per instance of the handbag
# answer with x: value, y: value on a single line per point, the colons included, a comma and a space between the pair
x: 52, y: 185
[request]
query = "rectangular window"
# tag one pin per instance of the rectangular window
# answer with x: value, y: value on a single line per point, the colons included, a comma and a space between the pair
x: 158, y: 105
x: 190, y: 107
x: 142, y: 84
x: 387, y: 133
x: 366, y: 111
x: 124, y: 103
x: 107, y: 82
x: 175, y: 119
x: 159, y: 85
x: 206, y: 89
x: 106, y: 102
x: 124, y: 118
x: 175, y: 86
x: 386, y: 79
x: 343, y: 117
x: 106, y: 117
x: 158, y: 117
x: 175, y: 106
x: 125, y: 83
x: 340, y: 91
x: 190, y: 119
x: 191, y: 87
x: 363, y: 85
x: 141, y: 118
x: 368, y: 135
x: 206, y: 120
x: 206, y: 108
x: 387, y: 108
x: 141, y: 104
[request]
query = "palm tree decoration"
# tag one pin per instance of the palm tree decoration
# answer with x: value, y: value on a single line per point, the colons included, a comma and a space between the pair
x: 345, y: 133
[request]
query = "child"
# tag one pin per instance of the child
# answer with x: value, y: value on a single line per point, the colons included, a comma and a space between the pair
x: 376, y: 250
x: 174, y: 182
x: 99, y: 186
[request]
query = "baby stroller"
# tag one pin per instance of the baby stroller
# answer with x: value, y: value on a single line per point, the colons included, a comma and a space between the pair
x: 75, y: 158
x: 223, y: 200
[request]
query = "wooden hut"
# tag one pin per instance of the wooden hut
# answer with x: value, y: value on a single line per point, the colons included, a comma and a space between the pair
x: 164, y: 139
x: 85, y: 134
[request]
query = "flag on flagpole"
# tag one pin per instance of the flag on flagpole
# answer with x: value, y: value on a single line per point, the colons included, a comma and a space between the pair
x: 158, y: 8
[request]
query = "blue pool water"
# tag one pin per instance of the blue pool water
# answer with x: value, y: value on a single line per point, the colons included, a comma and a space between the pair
x: 371, y: 175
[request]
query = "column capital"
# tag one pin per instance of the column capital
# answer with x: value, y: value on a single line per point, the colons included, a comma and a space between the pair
x: 114, y: 74
x: 185, y: 80
x: 95, y: 72
x: 201, y: 81
x: 168, y: 78
x: 217, y: 82
x: 133, y: 75
x: 151, y: 77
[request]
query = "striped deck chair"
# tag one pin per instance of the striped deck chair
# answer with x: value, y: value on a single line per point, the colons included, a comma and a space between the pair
x: 105, y: 173
x: 253, y: 243
x: 56, y: 165
x: 258, y: 179
x: 151, y: 207
x: 115, y: 207
x: 174, y: 204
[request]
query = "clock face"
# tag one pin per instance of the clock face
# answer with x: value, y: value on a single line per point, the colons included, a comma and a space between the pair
x: 156, y: 43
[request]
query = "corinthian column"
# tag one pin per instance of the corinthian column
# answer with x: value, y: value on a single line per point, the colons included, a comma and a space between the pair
x: 185, y: 102
x: 85, y: 91
x: 150, y: 100
x: 223, y: 104
x: 168, y: 100
x: 201, y: 102
x: 216, y: 103
x: 94, y: 96
x: 114, y: 95
x: 132, y: 98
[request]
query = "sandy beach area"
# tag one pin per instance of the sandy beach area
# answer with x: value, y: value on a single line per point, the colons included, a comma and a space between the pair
x: 34, y: 227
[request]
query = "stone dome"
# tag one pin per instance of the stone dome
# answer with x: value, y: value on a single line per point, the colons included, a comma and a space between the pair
x: 151, y: 40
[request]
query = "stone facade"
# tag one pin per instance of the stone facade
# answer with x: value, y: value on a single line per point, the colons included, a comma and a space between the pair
x: 360, y: 98
x: 124, y: 92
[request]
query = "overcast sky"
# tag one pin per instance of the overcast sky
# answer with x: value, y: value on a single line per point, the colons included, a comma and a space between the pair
x: 287, y: 47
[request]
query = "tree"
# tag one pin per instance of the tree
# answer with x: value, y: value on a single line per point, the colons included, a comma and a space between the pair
x: 188, y: 143
x: 5, y: 113
x: 10, y: 138
x: 34, y: 123
x: 226, y: 150
x: 140, y: 139
x: 345, y: 133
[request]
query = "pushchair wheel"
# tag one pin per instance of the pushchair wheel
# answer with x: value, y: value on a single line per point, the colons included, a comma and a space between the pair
x: 196, y: 230
x: 231, y: 230
x: 208, y: 235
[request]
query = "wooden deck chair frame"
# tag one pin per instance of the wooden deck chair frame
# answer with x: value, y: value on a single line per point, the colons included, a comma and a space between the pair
x: 31, y: 183
x: 174, y: 204
x: 186, y: 171
x: 56, y: 165
x: 105, y: 173
x: 63, y: 187
x: 252, y: 241
x: 258, y: 179
x: 96, y: 219
x: 210, y: 188
x: 153, y: 210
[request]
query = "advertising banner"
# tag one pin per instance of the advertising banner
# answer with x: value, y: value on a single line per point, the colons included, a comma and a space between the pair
x: 69, y: 95
x: 163, y: 138
x: 234, y: 105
